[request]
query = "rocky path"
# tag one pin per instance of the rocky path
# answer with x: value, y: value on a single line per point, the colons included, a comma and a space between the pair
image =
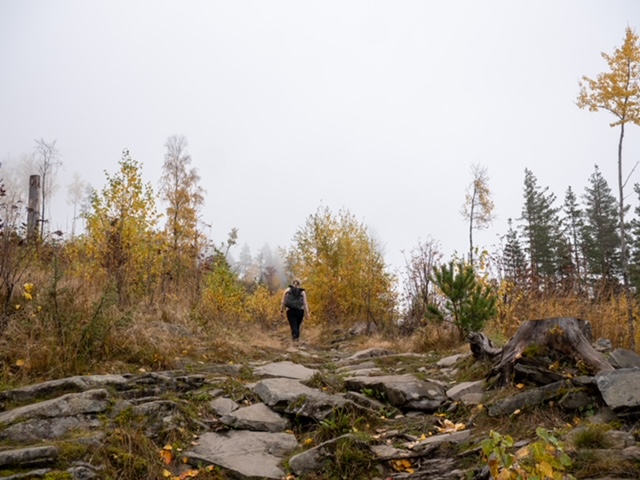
x: 310, y: 414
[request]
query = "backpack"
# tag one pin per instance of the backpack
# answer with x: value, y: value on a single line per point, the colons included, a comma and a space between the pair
x: 293, y: 298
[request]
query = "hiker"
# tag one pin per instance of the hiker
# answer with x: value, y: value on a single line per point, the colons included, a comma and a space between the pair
x: 295, y: 302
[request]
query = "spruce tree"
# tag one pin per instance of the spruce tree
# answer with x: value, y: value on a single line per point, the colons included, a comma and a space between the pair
x: 514, y: 261
x: 540, y: 227
x: 572, y: 223
x: 600, y: 231
x: 634, y: 263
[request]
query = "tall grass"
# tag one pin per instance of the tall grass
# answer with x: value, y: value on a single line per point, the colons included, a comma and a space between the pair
x: 607, y: 314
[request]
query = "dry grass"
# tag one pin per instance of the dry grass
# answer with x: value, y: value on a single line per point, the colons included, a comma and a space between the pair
x: 608, y: 316
x: 73, y: 327
x: 442, y: 337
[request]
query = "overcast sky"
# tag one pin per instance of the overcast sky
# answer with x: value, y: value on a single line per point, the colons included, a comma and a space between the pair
x: 378, y: 107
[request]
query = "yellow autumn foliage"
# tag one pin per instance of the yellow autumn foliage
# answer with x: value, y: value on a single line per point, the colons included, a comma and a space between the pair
x: 343, y: 270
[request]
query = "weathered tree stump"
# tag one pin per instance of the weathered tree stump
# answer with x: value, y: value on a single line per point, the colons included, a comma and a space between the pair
x: 482, y: 347
x: 559, y: 339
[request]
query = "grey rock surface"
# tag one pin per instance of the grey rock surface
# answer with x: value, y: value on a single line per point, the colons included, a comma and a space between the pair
x: 458, y: 391
x: 256, y: 417
x: 285, y: 369
x: 251, y: 454
x: 27, y: 456
x: 223, y: 406
x: 620, y: 390
x: 91, y: 401
x: 621, y: 358
x: 403, y: 391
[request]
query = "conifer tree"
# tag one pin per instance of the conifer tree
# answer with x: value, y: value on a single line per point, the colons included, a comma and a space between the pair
x: 468, y: 303
x: 634, y: 264
x: 572, y: 228
x: 600, y: 230
x: 541, y: 230
x: 514, y: 260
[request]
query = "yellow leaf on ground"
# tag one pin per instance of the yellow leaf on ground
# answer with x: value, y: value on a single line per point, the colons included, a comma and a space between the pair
x: 447, y: 426
x: 166, y: 473
x: 189, y: 474
x: 522, y: 453
x: 402, y: 465
x: 20, y: 363
x: 167, y: 456
x: 546, y: 469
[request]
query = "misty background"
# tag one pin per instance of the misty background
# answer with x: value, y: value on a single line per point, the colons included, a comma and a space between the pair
x: 377, y: 107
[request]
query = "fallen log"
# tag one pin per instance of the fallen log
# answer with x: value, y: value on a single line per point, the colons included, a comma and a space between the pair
x: 555, y: 339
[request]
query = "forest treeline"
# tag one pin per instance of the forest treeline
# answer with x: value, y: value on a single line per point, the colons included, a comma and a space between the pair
x: 142, y: 280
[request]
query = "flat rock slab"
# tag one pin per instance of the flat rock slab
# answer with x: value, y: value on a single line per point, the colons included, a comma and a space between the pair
x: 453, y: 437
x: 620, y: 389
x: 78, y: 383
x: 458, y: 391
x: 450, y: 361
x: 292, y: 397
x: 223, y: 406
x: 532, y: 398
x: 402, y: 391
x: 251, y: 454
x: 39, y: 429
x: 285, y: 369
x: 256, y: 417
x: 621, y: 358
x: 278, y: 393
x: 364, y: 372
x: 26, y: 456
x: 369, y: 353
x: 71, y: 404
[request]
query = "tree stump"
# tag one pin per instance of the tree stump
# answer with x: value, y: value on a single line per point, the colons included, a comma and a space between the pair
x: 558, y: 339
x: 482, y: 347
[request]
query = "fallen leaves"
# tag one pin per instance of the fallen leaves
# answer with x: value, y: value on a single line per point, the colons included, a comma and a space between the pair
x: 168, y: 457
x: 447, y: 426
x: 167, y: 454
x: 402, y: 465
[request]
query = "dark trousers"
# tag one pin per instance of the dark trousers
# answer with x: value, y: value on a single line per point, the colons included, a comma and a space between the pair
x: 295, y: 316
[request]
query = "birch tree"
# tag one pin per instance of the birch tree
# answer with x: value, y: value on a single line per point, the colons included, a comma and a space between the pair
x: 48, y: 158
x: 617, y: 91
x: 478, y: 206
x: 180, y: 190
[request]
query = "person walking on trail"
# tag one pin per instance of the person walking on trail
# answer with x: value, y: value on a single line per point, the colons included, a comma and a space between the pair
x: 294, y: 301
